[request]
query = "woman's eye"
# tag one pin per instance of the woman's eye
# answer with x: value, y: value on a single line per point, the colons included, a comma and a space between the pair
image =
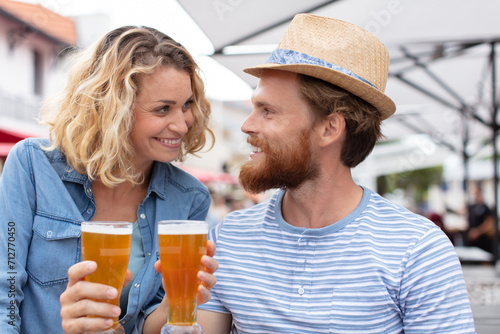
x: 187, y: 105
x: 164, y: 109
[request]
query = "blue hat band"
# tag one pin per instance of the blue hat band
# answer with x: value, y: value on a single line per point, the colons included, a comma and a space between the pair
x: 289, y: 57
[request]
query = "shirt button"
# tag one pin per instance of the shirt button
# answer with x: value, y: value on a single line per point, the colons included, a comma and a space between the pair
x: 136, y: 285
x: 49, y: 234
x: 123, y: 322
x: 301, y: 291
x: 89, y: 190
x: 143, y: 216
x: 89, y: 211
x: 149, y: 254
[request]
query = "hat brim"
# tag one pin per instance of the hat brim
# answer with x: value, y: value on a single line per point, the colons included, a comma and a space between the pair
x: 355, y: 86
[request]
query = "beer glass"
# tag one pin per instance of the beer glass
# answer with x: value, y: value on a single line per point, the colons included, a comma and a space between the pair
x: 182, y: 243
x: 108, y: 244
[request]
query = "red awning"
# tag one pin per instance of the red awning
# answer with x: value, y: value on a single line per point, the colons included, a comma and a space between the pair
x: 9, y: 138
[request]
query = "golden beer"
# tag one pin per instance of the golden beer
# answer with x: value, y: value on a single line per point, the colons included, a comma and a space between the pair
x: 182, y: 244
x: 108, y: 244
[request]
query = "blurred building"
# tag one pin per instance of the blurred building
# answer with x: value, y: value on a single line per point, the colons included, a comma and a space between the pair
x: 33, y: 42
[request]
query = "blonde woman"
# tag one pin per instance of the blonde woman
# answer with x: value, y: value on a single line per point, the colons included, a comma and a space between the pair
x: 134, y: 102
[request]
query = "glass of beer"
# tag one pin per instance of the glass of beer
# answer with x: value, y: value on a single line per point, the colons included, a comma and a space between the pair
x: 108, y: 244
x: 182, y: 243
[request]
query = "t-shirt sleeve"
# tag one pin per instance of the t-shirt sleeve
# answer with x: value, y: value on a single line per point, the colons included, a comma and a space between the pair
x: 433, y: 295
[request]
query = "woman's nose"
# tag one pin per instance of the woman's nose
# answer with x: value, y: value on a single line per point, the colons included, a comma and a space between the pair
x: 181, y: 122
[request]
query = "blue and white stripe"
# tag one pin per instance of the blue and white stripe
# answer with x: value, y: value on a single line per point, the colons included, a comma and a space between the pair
x: 288, y: 57
x: 382, y: 269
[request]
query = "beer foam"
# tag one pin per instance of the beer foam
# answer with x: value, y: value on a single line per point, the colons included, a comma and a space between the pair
x: 107, y: 229
x: 169, y: 229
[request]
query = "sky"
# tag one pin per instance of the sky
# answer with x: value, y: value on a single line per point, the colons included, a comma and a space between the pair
x: 167, y: 16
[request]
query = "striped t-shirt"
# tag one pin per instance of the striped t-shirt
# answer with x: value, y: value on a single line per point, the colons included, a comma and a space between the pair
x: 381, y: 269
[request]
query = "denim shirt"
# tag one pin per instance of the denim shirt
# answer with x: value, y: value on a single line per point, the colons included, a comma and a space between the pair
x: 42, y: 203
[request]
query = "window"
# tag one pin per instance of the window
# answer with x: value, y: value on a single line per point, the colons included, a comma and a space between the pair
x: 37, y: 73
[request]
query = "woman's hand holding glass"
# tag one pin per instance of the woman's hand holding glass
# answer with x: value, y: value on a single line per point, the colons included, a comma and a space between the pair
x: 78, y: 301
x: 106, y: 250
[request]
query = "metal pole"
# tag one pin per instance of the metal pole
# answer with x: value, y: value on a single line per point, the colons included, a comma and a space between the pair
x: 494, y: 122
x: 465, y: 159
x: 439, y: 99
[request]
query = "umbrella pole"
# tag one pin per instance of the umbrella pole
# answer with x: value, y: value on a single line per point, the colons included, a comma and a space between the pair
x: 494, y: 112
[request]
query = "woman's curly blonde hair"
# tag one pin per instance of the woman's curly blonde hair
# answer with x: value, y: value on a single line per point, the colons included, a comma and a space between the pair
x: 90, y: 121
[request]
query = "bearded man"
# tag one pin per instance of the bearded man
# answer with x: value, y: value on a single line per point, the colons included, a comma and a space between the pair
x: 323, y: 254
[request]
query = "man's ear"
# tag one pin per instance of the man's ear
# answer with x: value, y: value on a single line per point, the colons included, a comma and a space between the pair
x: 332, y: 128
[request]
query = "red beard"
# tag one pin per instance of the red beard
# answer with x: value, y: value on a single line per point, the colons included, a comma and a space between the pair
x: 283, y: 167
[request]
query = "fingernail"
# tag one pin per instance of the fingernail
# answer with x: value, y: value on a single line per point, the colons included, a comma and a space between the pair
x: 203, y: 275
x: 108, y: 322
x: 112, y: 293
x: 117, y: 311
x: 91, y: 266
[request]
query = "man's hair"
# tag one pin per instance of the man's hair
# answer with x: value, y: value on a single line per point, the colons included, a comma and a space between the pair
x: 362, y: 119
x: 91, y: 120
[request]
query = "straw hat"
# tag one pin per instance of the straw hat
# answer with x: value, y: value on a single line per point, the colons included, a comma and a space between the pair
x: 337, y: 52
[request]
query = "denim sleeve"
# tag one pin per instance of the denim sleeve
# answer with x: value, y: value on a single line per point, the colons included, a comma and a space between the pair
x: 17, y: 205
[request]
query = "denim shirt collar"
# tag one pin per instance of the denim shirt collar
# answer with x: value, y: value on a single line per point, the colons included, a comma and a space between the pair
x: 159, y: 178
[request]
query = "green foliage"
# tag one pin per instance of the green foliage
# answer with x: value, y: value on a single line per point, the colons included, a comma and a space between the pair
x: 415, y: 181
